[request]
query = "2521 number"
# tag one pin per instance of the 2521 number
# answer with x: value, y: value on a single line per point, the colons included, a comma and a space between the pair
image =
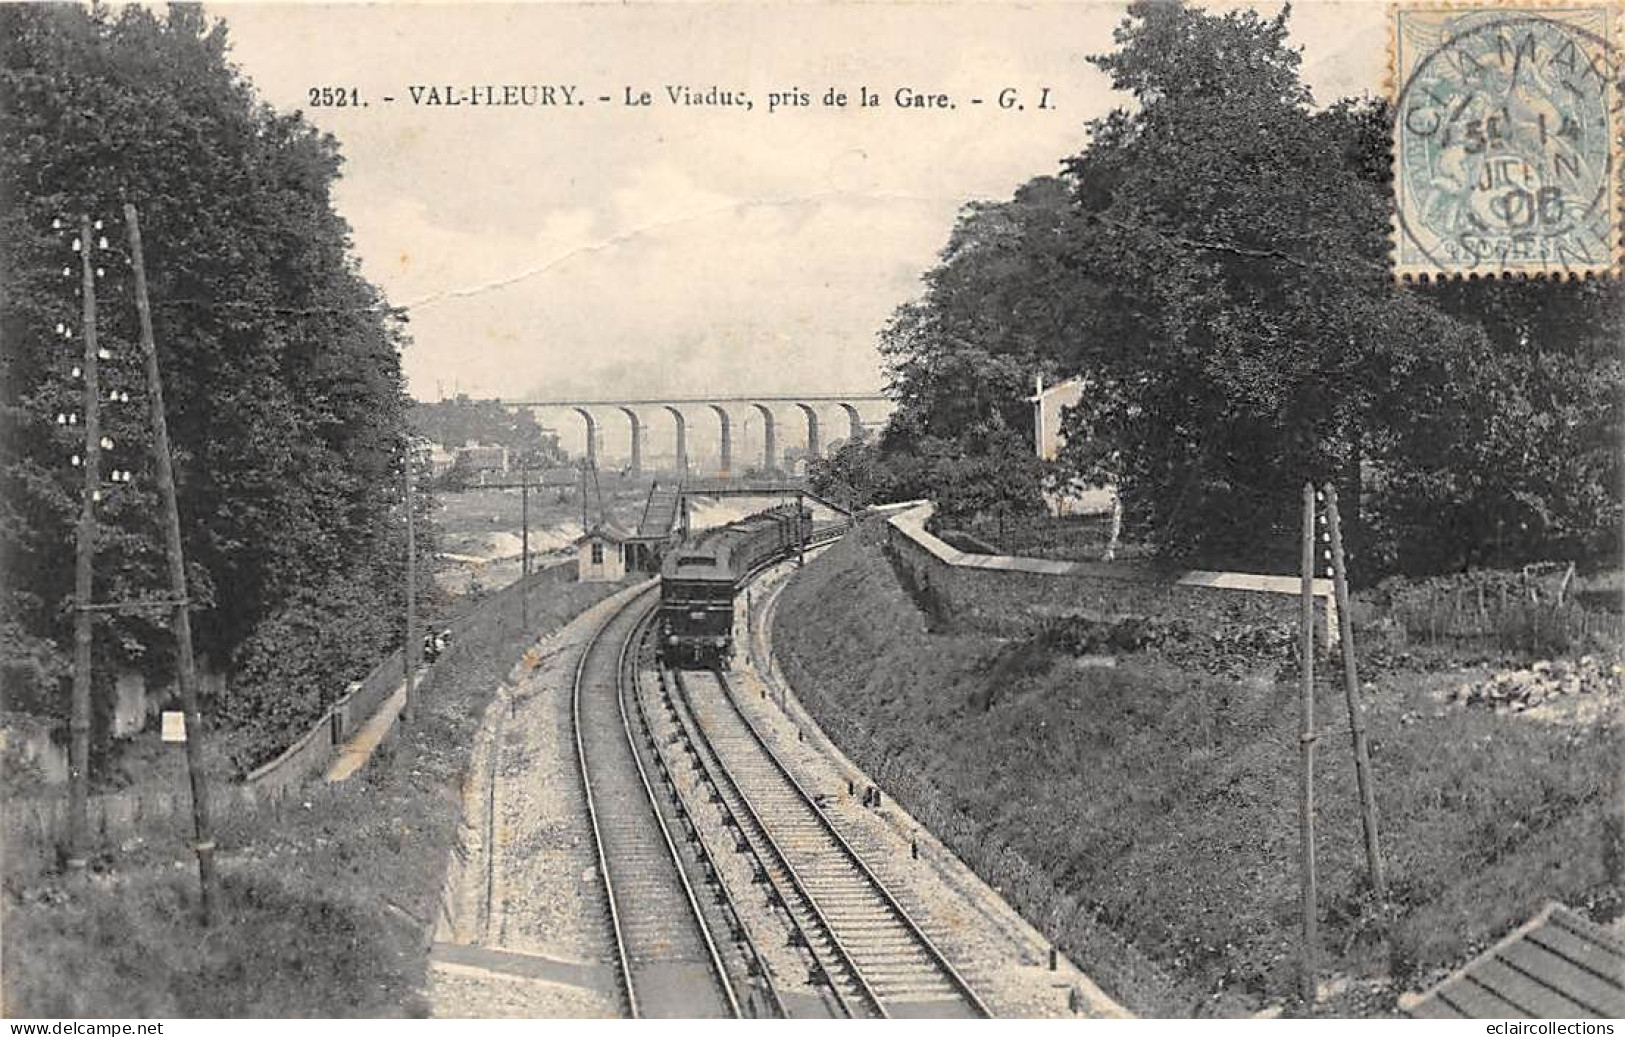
x: 335, y: 97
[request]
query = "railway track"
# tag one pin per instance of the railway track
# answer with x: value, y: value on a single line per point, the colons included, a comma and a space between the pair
x: 667, y: 959
x: 875, y: 959
x: 681, y: 947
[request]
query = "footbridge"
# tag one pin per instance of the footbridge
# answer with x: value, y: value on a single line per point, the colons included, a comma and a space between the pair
x: 798, y: 488
x: 862, y: 411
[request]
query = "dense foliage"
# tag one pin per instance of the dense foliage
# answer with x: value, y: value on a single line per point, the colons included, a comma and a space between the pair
x: 1213, y: 263
x: 281, y: 363
x: 461, y: 420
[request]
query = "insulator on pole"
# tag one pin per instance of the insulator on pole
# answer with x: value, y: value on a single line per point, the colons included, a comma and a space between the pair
x: 61, y: 328
x: 76, y: 244
x: 74, y: 460
x: 78, y: 373
x: 56, y: 224
x: 96, y: 495
x: 107, y: 442
x: 67, y: 271
x: 102, y: 244
x: 61, y: 419
x: 98, y: 224
x: 73, y: 419
x: 103, y: 354
x: 100, y: 272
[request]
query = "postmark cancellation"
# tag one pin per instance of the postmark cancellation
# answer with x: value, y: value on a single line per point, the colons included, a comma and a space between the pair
x: 1506, y: 140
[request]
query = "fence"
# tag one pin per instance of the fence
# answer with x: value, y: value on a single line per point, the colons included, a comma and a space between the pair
x: 40, y: 821
x: 1502, y: 612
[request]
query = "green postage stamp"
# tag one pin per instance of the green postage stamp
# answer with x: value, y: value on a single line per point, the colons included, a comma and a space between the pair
x: 1506, y: 140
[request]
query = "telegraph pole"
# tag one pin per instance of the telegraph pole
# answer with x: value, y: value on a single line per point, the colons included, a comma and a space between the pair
x: 84, y: 562
x: 1306, y: 747
x: 1351, y: 692
x: 185, y: 661
x: 524, y: 549
x: 524, y: 522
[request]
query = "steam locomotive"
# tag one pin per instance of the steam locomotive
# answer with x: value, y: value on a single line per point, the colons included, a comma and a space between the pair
x: 700, y: 577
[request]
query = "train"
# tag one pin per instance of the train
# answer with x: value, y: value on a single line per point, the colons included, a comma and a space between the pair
x: 701, y: 576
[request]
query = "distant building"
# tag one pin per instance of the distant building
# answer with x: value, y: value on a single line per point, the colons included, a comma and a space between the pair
x: 477, y: 457
x: 440, y: 459
x: 559, y: 478
x: 601, y: 554
x: 1048, y: 403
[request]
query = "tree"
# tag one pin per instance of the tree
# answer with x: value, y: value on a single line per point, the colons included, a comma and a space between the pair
x: 1214, y: 264
x: 989, y: 320
x: 1248, y: 337
x: 989, y: 473
x: 281, y: 364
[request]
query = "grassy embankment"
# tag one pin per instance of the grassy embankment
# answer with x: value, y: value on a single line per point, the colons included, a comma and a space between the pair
x: 1145, y: 817
x: 326, y: 903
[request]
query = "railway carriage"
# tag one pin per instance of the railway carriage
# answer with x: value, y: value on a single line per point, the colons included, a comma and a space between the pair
x: 700, y: 578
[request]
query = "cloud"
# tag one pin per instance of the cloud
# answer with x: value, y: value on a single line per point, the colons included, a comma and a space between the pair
x: 672, y: 249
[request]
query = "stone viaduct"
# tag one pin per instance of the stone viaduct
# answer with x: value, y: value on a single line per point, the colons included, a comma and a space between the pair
x: 682, y: 408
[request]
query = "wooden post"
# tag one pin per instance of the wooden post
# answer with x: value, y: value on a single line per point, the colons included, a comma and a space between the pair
x: 1351, y: 691
x: 185, y: 662
x: 83, y: 571
x: 524, y: 549
x: 524, y: 522
x: 1306, y: 748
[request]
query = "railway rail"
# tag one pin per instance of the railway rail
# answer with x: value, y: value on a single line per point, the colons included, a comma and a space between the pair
x: 682, y: 946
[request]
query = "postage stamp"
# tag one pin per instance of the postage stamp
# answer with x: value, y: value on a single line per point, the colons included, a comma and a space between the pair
x: 1506, y: 140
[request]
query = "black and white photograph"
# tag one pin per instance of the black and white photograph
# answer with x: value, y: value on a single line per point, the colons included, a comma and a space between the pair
x: 936, y: 510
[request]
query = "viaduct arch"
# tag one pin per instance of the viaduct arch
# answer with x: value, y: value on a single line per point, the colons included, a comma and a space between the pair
x: 766, y: 405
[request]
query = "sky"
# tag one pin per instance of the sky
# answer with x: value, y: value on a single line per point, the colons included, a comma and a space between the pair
x: 604, y: 249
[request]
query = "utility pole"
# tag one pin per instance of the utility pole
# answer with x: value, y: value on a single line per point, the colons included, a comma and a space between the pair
x: 84, y: 562
x: 1306, y: 748
x: 185, y: 660
x: 524, y: 549
x: 801, y: 539
x: 414, y: 644
x: 1351, y: 692
x: 524, y: 522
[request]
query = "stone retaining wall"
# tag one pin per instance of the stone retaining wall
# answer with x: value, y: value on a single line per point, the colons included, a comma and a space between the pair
x: 1010, y: 596
x: 115, y: 816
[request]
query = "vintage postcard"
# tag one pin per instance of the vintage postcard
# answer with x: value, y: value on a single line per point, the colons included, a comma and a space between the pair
x: 959, y: 510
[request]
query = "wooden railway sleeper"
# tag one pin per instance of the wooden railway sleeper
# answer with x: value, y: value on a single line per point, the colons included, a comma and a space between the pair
x: 712, y: 878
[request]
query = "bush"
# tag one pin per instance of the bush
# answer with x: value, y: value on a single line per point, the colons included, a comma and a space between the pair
x: 298, y: 663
